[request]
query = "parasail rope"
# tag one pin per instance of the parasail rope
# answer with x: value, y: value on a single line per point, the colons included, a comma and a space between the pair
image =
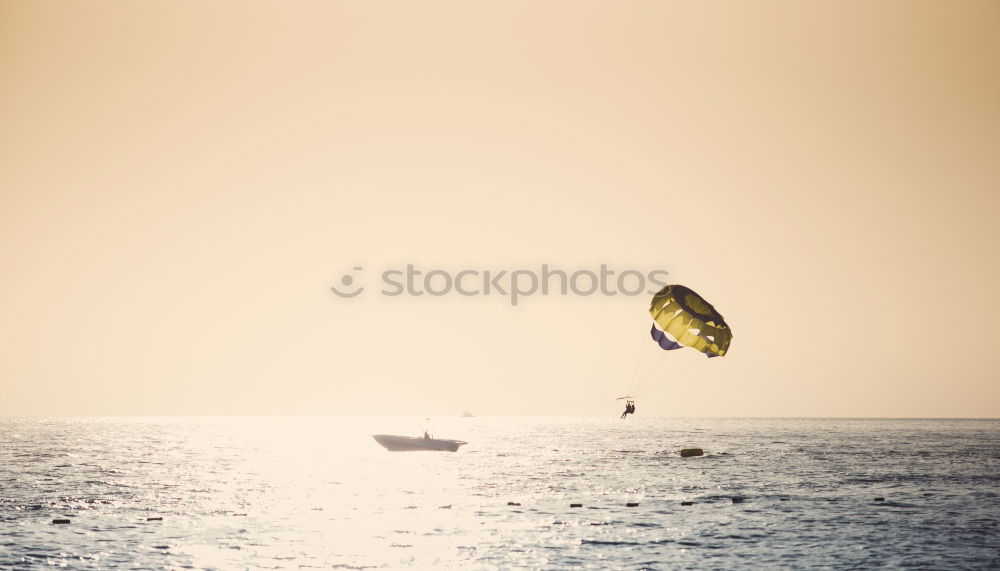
x: 646, y: 362
x: 670, y: 375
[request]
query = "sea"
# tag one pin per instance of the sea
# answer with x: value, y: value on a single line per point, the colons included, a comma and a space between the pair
x: 524, y: 493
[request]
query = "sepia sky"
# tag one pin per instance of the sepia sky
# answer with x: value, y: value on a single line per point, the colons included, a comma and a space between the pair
x: 182, y: 182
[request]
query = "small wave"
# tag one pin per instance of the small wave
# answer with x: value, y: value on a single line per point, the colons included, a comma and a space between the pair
x: 891, y: 504
x: 602, y: 542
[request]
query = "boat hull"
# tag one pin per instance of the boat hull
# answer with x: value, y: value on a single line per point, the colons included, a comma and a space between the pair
x: 408, y: 443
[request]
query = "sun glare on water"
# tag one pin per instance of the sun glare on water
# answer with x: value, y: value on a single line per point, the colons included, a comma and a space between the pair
x: 316, y: 486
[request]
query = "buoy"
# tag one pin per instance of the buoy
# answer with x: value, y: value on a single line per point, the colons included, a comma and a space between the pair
x: 686, y: 452
x: 513, y: 503
x: 154, y: 519
x: 576, y: 505
x: 60, y: 521
x: 632, y: 505
x: 687, y: 503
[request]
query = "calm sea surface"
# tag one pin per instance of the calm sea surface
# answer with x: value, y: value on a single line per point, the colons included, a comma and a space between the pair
x: 294, y: 493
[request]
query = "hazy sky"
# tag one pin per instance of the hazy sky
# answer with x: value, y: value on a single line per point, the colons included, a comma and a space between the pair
x: 182, y: 182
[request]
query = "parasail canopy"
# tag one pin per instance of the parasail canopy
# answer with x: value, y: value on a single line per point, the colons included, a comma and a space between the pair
x: 682, y: 318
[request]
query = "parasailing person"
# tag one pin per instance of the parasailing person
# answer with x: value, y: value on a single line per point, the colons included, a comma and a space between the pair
x: 682, y: 318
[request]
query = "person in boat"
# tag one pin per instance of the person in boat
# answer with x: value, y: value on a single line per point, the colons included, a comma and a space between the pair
x: 426, y: 435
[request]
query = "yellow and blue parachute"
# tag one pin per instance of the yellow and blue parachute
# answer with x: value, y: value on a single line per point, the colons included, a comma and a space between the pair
x: 682, y: 318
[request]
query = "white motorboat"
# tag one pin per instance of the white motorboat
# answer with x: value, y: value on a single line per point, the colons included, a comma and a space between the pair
x: 406, y: 443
